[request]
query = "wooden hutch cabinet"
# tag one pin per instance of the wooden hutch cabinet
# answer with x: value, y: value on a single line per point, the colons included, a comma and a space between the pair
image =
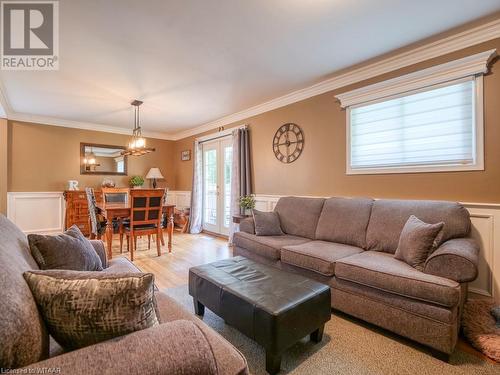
x: 77, y: 209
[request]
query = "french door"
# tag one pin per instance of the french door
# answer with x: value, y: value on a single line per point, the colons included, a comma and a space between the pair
x: 217, y: 164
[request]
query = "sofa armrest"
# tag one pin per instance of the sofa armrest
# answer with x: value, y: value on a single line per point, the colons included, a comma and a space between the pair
x: 455, y: 259
x: 101, y: 251
x: 247, y: 225
x: 177, y: 347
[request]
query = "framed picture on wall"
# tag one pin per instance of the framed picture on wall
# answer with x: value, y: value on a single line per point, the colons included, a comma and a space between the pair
x: 186, y: 155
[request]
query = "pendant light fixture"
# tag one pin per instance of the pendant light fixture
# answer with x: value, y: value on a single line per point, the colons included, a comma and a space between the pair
x: 90, y: 158
x: 137, y: 145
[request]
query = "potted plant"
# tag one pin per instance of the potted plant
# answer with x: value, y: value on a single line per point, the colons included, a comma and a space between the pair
x: 247, y: 202
x: 136, y: 182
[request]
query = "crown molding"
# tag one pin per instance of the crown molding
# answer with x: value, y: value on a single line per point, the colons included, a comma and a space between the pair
x: 45, y: 120
x: 453, y: 70
x: 453, y: 43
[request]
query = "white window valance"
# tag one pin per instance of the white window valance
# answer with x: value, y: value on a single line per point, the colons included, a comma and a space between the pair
x: 464, y: 67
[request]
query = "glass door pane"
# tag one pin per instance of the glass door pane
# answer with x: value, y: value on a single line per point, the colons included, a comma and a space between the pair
x: 217, y: 170
x: 210, y: 187
x: 227, y: 151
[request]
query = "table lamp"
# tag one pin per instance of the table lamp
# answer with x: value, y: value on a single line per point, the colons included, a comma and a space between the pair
x: 153, y: 174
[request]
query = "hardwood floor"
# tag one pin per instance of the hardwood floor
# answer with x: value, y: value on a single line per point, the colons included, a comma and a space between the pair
x: 188, y: 250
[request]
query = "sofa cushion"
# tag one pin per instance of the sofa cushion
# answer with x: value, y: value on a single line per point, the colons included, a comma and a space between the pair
x: 344, y: 220
x: 382, y: 271
x: 23, y: 337
x: 84, y: 308
x: 177, y: 347
x: 388, y: 218
x: 266, y: 223
x: 66, y: 251
x: 229, y: 360
x: 317, y: 256
x: 299, y: 216
x: 416, y: 242
x: 266, y: 246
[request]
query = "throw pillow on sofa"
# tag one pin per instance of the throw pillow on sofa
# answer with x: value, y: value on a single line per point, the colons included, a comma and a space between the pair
x: 67, y: 251
x: 417, y: 241
x: 266, y: 223
x: 84, y: 308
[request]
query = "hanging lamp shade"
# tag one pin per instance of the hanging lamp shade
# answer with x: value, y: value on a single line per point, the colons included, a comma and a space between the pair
x: 137, y: 145
x: 90, y: 158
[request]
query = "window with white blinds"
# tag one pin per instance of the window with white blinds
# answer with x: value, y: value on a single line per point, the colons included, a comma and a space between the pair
x: 433, y: 129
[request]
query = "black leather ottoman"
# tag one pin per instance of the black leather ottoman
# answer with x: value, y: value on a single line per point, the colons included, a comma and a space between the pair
x: 273, y: 307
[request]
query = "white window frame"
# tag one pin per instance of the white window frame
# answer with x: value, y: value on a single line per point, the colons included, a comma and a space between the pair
x: 478, y: 139
x: 471, y: 67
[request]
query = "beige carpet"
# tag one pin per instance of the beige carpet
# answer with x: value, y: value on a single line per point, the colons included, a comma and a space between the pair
x: 349, y: 346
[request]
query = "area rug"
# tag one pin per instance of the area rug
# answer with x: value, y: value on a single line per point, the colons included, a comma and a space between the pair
x: 349, y: 346
x: 480, y: 328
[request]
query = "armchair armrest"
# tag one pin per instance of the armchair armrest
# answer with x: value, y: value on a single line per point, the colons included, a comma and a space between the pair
x: 455, y: 259
x: 101, y: 251
x: 177, y: 347
x: 247, y: 225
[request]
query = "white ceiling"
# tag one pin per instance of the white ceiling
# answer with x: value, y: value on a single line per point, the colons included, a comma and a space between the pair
x: 194, y: 61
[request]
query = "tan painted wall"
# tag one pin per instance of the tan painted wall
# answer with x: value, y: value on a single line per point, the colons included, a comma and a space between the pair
x: 183, y: 169
x: 321, y: 168
x: 44, y: 158
x: 3, y: 165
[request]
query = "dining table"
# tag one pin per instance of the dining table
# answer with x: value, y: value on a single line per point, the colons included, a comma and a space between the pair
x: 120, y: 211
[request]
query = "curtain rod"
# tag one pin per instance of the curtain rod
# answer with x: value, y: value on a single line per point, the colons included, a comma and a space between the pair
x: 220, y: 134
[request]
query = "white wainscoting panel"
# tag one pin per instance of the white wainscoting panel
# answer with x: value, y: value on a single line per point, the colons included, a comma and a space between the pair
x: 266, y: 202
x: 36, y: 212
x: 181, y: 199
x: 486, y: 230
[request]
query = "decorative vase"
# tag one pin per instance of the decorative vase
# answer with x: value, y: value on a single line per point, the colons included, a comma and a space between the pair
x: 108, y: 183
x: 248, y: 211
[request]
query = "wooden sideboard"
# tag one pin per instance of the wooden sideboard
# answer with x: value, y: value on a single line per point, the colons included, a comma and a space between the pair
x: 77, y: 209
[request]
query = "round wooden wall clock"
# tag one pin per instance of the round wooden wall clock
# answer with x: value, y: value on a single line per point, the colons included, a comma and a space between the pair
x: 288, y: 143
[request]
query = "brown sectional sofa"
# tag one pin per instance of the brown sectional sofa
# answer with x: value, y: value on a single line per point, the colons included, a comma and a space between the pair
x: 349, y: 244
x: 181, y: 344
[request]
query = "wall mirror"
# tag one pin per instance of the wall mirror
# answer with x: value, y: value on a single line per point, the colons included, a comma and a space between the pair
x: 102, y: 159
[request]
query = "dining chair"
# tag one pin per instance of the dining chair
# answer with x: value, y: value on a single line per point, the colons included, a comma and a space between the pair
x: 164, y: 218
x: 115, y: 195
x: 97, y: 223
x: 145, y: 217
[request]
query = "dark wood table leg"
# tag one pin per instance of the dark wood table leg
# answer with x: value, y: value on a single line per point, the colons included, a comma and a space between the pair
x: 199, y: 308
x: 109, y: 237
x: 273, y: 362
x: 170, y: 229
x: 317, y: 335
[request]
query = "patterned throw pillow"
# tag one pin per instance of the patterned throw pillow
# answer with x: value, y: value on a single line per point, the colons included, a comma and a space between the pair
x: 67, y: 251
x: 267, y: 223
x: 84, y: 308
x: 417, y: 241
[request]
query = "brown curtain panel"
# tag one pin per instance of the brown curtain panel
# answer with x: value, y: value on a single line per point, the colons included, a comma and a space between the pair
x: 241, y: 183
x: 245, y: 173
